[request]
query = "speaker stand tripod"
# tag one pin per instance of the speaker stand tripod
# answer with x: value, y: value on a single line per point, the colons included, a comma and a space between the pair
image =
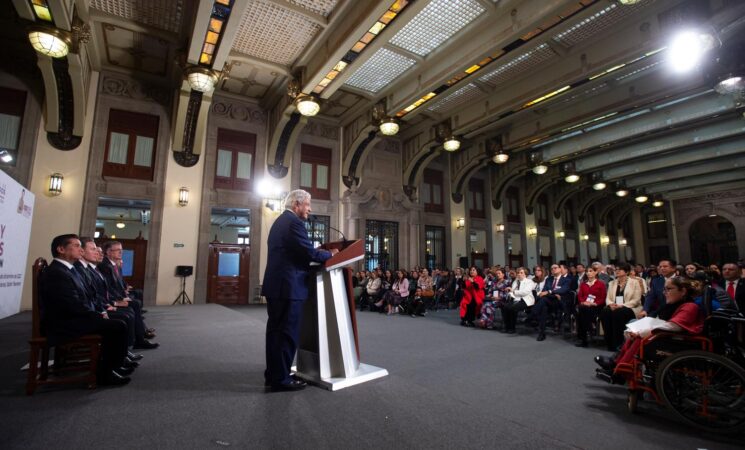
x: 183, y: 297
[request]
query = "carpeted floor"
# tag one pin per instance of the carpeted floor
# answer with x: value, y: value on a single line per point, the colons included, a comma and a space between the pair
x: 449, y: 387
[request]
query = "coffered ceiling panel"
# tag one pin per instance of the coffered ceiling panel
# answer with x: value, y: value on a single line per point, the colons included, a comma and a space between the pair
x: 381, y: 69
x: 466, y: 93
x: 596, y: 23
x: 273, y: 33
x: 322, y: 7
x: 518, y: 65
x: 250, y: 80
x: 164, y: 14
x: 136, y: 51
x: 340, y: 103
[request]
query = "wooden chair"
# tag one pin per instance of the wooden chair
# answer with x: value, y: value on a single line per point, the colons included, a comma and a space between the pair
x: 75, y: 361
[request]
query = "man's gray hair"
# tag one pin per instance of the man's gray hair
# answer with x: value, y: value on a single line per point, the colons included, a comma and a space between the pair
x: 298, y: 195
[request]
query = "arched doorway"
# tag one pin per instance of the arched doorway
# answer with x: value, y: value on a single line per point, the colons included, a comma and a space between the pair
x: 713, y: 240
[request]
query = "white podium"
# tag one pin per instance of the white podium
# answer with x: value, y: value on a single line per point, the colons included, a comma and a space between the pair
x: 328, y: 351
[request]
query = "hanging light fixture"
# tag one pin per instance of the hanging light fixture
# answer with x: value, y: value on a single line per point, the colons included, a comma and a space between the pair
x: 641, y: 197
x: 599, y: 186
x: 50, y: 41
x: 730, y: 84
x: 570, y: 174
x: 537, y: 163
x: 121, y: 223
x: 540, y: 169
x: 389, y: 126
x: 201, y: 79
x: 658, y: 203
x: 307, y: 105
x: 501, y: 157
x: 622, y: 192
x: 451, y: 143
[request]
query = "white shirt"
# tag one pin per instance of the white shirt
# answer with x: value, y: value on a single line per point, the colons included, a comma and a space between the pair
x: 67, y: 264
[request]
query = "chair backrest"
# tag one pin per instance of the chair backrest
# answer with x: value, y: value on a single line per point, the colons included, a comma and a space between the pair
x: 37, y: 269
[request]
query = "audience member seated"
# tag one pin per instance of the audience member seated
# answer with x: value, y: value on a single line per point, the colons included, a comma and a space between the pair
x: 591, y: 299
x: 520, y: 298
x: 623, y: 302
x: 415, y: 305
x: 398, y: 292
x: 372, y: 292
x: 457, y: 288
x: 473, y: 297
x: 444, y: 288
x: 386, y: 282
x: 427, y: 285
x: 554, y: 296
x: 496, y: 297
x: 67, y: 312
x: 655, y: 298
x: 680, y: 313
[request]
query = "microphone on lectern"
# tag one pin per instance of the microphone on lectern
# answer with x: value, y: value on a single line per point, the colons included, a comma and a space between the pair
x: 314, y: 218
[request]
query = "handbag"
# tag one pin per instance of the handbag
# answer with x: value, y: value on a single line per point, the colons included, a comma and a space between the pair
x: 428, y: 293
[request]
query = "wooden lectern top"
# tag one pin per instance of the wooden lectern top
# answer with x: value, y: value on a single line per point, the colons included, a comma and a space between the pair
x: 349, y: 252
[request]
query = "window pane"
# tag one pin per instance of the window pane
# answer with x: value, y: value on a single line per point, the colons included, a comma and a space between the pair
x: 128, y: 260
x: 224, y: 163
x: 243, y: 170
x: 322, y: 176
x: 144, y: 151
x: 436, y: 194
x: 426, y: 198
x: 9, y: 128
x: 118, y: 148
x: 306, y: 174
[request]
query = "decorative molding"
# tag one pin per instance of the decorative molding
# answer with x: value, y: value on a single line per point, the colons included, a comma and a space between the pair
x: 121, y: 87
x: 186, y: 156
x: 322, y: 130
x: 63, y: 139
x: 239, y: 112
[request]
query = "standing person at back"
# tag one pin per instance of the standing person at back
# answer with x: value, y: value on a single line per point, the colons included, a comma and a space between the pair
x: 285, y: 287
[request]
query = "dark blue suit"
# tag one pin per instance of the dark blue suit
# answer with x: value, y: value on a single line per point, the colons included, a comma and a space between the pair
x: 564, y: 300
x: 655, y: 298
x: 285, y: 287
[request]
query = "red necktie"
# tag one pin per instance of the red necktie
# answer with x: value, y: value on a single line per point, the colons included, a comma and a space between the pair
x: 556, y: 282
x: 731, y: 289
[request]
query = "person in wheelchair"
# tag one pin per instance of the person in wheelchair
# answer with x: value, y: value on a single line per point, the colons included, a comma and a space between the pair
x: 679, y: 315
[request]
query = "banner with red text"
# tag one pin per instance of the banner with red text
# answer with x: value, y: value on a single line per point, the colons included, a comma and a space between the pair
x: 16, y: 210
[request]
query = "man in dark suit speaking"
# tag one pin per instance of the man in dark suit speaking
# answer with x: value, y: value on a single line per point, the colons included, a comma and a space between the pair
x: 285, y: 287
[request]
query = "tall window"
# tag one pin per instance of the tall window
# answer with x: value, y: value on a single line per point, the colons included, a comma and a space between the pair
x: 541, y: 210
x: 432, y: 182
x: 381, y: 245
x: 567, y: 216
x: 434, y: 240
x: 12, y: 105
x: 476, y: 198
x: 236, y: 153
x: 318, y: 230
x: 315, y: 164
x: 512, y: 203
x: 130, y: 145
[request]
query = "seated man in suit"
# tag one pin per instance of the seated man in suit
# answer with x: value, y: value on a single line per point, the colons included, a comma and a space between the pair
x: 118, y: 295
x: 655, y: 298
x: 556, y: 295
x: 734, y: 286
x: 67, y: 312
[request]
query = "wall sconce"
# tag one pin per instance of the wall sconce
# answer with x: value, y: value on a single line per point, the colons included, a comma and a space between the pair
x: 532, y: 232
x: 55, y: 183
x: 585, y: 237
x: 622, y: 242
x: 183, y: 196
x: 561, y: 234
x: 460, y: 223
x: 499, y: 227
x: 605, y: 240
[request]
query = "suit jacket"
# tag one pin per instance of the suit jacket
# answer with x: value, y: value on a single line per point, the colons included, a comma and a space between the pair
x: 632, y: 294
x: 63, y: 300
x: 563, y: 288
x: 96, y: 285
x: 290, y: 253
x: 740, y: 296
x: 117, y: 288
x: 655, y: 298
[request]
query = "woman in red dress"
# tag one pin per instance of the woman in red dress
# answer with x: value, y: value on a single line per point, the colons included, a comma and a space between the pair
x: 680, y: 313
x: 473, y: 297
x: 591, y: 298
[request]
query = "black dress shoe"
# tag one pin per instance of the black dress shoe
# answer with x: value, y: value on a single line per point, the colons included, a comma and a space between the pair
x: 129, y: 363
x: 134, y: 356
x: 541, y: 337
x: 294, y: 385
x: 113, y: 379
x: 149, y: 335
x: 609, y: 377
x: 606, y: 362
x: 124, y: 371
x: 143, y: 310
x: 463, y: 323
x: 146, y: 345
x: 580, y: 344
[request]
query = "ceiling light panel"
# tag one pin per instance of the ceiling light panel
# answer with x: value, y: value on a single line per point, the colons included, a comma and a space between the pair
x: 378, y: 71
x: 273, y: 33
x: 322, y: 7
x: 435, y: 24
x: 465, y: 94
x: 526, y: 61
x: 595, y: 23
x: 163, y: 14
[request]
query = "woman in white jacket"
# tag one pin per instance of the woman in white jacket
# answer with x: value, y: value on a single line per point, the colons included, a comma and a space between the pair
x: 520, y: 296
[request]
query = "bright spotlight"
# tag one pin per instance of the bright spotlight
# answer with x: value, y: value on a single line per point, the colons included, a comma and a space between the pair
x: 687, y: 49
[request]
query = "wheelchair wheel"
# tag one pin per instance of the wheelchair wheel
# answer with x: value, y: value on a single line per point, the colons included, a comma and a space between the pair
x: 704, y: 389
x: 633, y: 401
